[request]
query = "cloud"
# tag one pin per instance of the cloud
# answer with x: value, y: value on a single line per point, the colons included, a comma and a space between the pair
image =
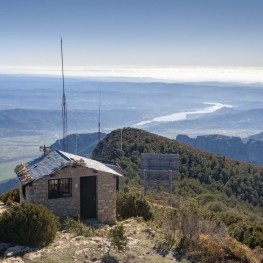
x: 165, y: 74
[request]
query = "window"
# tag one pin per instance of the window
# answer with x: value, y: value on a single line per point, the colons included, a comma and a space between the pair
x: 117, y: 183
x: 59, y: 188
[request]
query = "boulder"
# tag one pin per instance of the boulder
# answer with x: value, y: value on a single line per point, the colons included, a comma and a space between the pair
x: 17, y: 251
x: 13, y: 260
x: 4, y: 247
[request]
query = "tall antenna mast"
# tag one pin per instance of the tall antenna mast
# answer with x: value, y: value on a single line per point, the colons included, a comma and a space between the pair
x: 99, y: 118
x: 64, y: 108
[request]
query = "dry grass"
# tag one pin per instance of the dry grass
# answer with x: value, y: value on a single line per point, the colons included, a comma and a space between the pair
x: 70, y: 248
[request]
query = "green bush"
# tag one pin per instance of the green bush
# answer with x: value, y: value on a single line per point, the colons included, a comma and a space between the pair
x: 133, y: 205
x: 78, y: 228
x: 28, y: 224
x: 109, y: 259
x: 11, y: 196
x: 118, y: 238
x: 216, y: 206
x: 229, y: 218
x: 247, y: 233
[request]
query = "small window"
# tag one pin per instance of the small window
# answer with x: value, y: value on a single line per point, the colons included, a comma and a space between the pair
x: 59, y: 188
x: 117, y: 183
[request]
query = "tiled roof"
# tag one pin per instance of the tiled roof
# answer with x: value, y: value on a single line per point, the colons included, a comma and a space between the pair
x: 98, y: 166
x: 51, y: 162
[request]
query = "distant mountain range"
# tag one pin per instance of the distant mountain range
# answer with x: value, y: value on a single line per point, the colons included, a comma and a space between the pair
x: 225, y: 120
x: 23, y: 121
x: 256, y: 137
x: 250, y: 151
x: 8, y: 184
x: 33, y: 104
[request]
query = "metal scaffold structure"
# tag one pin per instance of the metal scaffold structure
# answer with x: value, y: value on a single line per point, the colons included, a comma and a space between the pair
x: 64, y: 109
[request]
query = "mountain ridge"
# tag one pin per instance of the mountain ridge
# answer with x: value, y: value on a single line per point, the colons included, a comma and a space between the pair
x: 233, y: 147
x: 216, y: 173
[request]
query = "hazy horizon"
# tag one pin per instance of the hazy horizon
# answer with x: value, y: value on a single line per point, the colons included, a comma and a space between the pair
x: 245, y: 75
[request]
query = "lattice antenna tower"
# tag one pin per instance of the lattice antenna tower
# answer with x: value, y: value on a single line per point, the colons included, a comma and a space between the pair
x: 64, y: 108
x: 99, y: 118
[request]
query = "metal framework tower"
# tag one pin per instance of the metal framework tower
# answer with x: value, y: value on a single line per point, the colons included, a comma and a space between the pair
x: 64, y: 108
x: 99, y: 118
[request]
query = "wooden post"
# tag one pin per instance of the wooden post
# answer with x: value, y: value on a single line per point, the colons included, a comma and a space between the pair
x: 145, y: 180
x: 171, y: 186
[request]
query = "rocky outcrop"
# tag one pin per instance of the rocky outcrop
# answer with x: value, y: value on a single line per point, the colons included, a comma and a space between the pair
x: 232, y: 147
x: 67, y: 247
x: 16, y: 251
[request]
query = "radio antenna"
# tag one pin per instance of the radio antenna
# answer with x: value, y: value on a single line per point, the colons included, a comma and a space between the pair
x: 64, y: 108
x: 99, y: 118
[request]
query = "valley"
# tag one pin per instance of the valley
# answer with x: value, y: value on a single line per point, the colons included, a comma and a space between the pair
x: 30, y: 114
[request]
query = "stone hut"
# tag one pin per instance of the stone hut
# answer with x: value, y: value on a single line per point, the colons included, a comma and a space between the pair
x: 70, y: 185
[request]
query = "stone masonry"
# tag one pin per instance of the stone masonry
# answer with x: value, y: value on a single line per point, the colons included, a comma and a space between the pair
x: 37, y: 192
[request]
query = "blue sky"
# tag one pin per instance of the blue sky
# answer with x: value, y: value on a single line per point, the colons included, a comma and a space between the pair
x: 132, y: 33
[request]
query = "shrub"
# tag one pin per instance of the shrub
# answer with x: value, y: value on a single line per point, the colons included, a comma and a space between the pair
x: 133, y: 205
x: 11, y: 196
x: 118, y: 238
x: 230, y: 218
x: 215, y: 249
x: 216, y: 206
x: 193, y: 222
x: 28, y: 224
x: 247, y: 233
x: 109, y: 259
x: 211, y: 248
x: 78, y: 228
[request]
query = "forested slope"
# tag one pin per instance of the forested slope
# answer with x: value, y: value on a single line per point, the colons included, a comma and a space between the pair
x: 200, y: 172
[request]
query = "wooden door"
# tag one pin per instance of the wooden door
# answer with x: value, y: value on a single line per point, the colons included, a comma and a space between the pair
x: 88, y: 197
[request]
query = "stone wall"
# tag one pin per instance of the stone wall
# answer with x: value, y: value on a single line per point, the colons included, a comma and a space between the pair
x: 106, y: 198
x: 37, y: 192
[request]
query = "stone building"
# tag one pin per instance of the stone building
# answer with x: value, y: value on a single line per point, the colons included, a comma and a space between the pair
x: 70, y: 185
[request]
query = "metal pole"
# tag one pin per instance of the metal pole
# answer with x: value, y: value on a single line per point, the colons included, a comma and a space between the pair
x: 121, y: 139
x: 64, y: 106
x: 99, y: 118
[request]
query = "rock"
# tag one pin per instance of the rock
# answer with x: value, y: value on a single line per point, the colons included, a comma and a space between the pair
x: 78, y: 238
x: 13, y: 260
x: 150, y: 232
x: 4, y: 247
x: 33, y: 256
x: 81, y: 252
x: 232, y: 147
x: 17, y: 251
x: 97, y: 239
x: 132, y: 241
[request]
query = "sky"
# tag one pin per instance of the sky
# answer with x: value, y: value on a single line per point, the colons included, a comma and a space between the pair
x: 117, y: 34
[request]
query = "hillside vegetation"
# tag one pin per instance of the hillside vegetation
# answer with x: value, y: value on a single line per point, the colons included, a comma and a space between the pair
x: 211, y: 220
x: 232, y: 191
x: 200, y: 171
